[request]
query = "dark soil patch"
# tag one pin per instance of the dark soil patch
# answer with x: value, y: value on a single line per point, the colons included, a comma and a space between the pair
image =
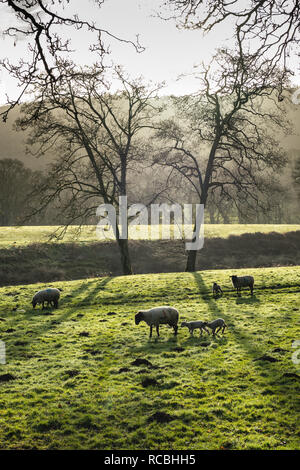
x: 178, y: 349
x: 93, y: 352
x: 291, y: 375
x: 267, y: 358
x: 141, y: 362
x: 7, y: 377
x: 149, y: 382
x: 21, y: 343
x: 72, y: 373
x: 161, y: 417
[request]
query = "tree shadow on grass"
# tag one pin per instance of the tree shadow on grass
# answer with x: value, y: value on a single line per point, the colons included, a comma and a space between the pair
x: 157, y: 345
x: 91, y: 293
x: 246, y: 341
x: 56, y: 317
x: 247, y: 300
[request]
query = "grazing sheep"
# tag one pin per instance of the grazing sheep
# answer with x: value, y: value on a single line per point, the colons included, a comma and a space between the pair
x: 243, y: 281
x: 216, y: 325
x: 158, y: 316
x: 192, y: 325
x: 216, y: 289
x: 49, y: 295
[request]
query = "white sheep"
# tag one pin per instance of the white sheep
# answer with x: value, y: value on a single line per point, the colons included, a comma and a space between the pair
x: 193, y: 325
x: 164, y: 315
x: 49, y: 295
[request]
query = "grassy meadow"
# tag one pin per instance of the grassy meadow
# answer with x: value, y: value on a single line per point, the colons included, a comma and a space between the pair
x: 85, y: 376
x: 21, y: 236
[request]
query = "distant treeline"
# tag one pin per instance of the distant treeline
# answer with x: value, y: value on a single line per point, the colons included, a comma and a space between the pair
x: 17, y: 199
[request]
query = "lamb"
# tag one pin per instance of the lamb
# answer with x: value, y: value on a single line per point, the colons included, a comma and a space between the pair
x: 216, y: 325
x: 192, y: 325
x: 216, y: 289
x: 164, y: 315
x: 243, y: 281
x: 49, y: 295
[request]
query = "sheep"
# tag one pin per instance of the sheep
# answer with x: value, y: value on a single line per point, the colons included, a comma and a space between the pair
x: 164, y: 315
x: 243, y: 281
x: 216, y: 325
x: 192, y: 325
x: 216, y: 289
x: 49, y: 295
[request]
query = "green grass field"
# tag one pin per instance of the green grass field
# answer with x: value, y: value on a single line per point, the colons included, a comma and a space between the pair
x: 20, y: 236
x: 85, y: 376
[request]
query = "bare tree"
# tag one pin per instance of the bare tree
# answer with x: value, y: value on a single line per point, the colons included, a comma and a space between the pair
x: 97, y: 137
x: 270, y: 28
x: 37, y: 22
x: 225, y: 137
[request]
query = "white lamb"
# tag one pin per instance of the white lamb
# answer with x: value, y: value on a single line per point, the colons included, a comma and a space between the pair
x: 193, y: 325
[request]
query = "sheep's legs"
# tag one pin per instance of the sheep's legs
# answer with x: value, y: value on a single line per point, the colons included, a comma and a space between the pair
x: 157, y: 330
x: 218, y: 329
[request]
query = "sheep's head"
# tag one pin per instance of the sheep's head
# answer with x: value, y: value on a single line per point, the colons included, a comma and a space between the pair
x: 184, y: 323
x: 234, y: 279
x: 34, y: 302
x: 139, y: 317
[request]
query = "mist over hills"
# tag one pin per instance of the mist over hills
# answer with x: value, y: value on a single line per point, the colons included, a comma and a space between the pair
x: 13, y: 143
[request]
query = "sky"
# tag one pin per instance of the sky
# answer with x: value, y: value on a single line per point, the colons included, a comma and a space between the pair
x: 169, y: 52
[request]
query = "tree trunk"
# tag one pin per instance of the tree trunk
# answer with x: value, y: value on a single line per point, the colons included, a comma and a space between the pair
x: 125, y: 257
x: 192, y: 254
x: 191, y: 261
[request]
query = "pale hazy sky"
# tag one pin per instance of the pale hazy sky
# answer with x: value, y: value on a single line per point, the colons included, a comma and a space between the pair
x: 169, y: 51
